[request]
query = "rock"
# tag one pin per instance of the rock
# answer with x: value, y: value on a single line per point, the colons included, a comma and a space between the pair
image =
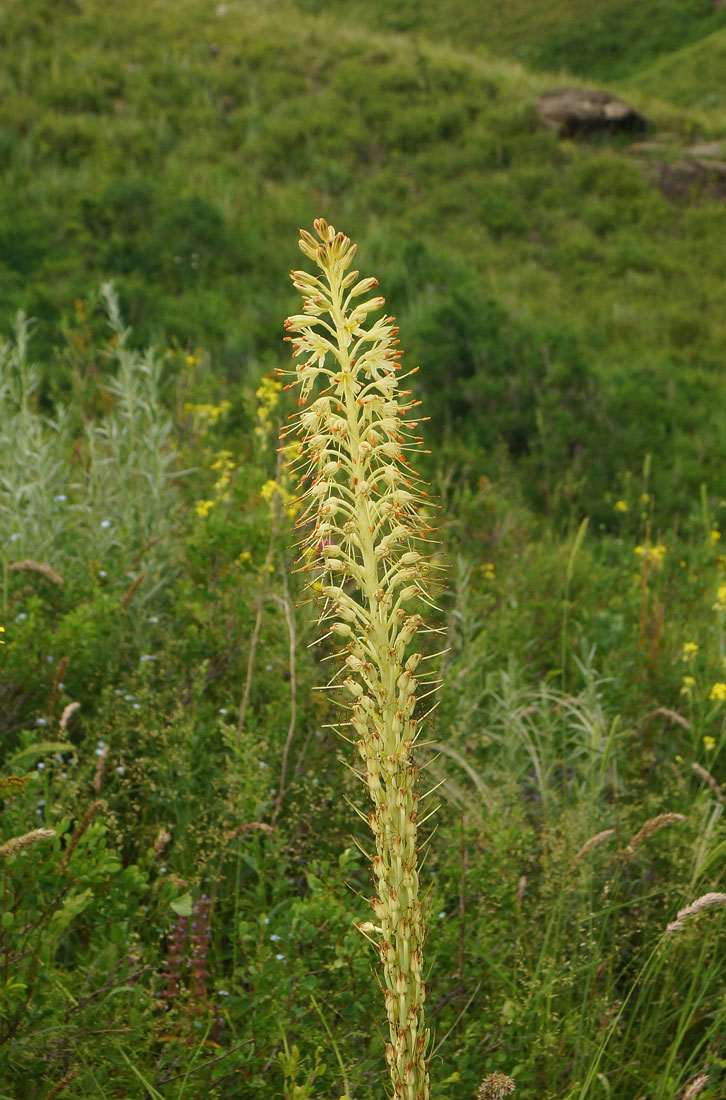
x: 680, y: 178
x: 578, y: 112
x: 716, y: 149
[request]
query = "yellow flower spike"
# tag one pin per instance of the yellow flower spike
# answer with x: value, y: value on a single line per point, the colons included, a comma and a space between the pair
x: 709, y: 743
x: 690, y: 649
x: 365, y: 548
x: 718, y: 692
x: 204, y: 507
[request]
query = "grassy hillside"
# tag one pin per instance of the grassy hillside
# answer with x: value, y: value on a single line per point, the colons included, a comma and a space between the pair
x: 610, y: 40
x: 567, y: 303
x: 691, y: 76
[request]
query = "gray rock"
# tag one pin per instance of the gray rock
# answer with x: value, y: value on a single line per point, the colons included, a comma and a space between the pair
x: 577, y: 112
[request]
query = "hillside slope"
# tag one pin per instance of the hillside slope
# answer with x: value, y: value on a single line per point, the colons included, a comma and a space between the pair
x: 557, y: 301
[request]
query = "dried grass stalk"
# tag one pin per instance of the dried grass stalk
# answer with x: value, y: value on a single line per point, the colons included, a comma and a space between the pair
x: 133, y: 588
x: 651, y: 826
x: 100, y: 769
x: 17, y: 843
x: 68, y: 712
x: 697, y: 1085
x: 704, y: 902
x: 593, y: 842
x: 41, y: 567
x: 61, y: 1085
x: 708, y: 778
x: 80, y: 830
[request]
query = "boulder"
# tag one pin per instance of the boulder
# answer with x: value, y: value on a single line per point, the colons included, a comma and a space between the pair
x: 579, y: 112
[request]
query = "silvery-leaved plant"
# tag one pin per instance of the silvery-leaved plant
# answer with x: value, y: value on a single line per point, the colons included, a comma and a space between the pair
x: 364, y: 547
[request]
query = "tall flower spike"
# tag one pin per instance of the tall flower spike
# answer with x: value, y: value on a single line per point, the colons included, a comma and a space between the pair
x: 364, y: 549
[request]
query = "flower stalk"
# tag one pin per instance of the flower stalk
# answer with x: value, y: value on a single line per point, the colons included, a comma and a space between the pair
x: 364, y: 549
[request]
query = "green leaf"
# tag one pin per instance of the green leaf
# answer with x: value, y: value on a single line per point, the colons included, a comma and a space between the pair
x: 183, y: 905
x: 43, y: 748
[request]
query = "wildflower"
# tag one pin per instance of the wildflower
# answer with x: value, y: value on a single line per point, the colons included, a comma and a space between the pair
x: 41, y: 721
x: 222, y: 710
x: 621, y: 506
x: 60, y: 498
x: 718, y: 692
x: 2, y: 631
x: 645, y: 498
x: 153, y: 618
x: 204, y: 507
x: 653, y: 554
x: 689, y: 682
x: 709, y: 743
x: 720, y: 604
x: 715, y: 536
x: 21, y: 617
x: 105, y: 523
x: 364, y: 515
x: 41, y: 766
x: 495, y: 1087
x: 690, y: 649
x: 244, y: 558
x: 488, y: 571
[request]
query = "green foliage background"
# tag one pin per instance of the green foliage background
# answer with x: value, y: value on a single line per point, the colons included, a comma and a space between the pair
x: 566, y: 314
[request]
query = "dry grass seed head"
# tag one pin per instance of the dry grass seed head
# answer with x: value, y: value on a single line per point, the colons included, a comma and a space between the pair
x: 697, y: 906
x: 697, y: 1085
x: 593, y: 842
x: 17, y: 843
x: 41, y: 567
x: 708, y: 778
x: 651, y: 826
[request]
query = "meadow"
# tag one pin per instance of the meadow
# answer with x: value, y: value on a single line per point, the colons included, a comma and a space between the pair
x: 182, y: 867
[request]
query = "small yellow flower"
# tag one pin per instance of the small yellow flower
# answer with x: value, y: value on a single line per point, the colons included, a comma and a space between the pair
x: 689, y: 682
x: 2, y: 631
x: 678, y: 758
x: 718, y: 692
x: 690, y: 649
x: 204, y: 507
x: 244, y: 558
x: 489, y: 571
x: 715, y: 535
x: 709, y: 743
x: 652, y: 553
x: 191, y: 360
x: 621, y: 506
x: 720, y: 604
x: 645, y: 498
